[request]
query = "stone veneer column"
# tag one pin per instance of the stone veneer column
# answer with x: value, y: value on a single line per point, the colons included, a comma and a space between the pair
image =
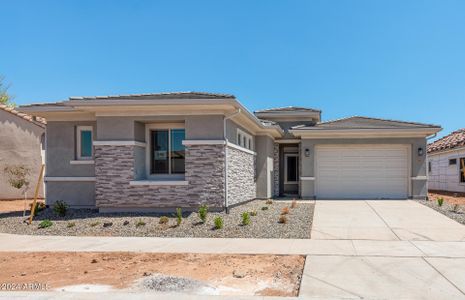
x: 241, y: 176
x: 276, y: 170
x: 114, y: 169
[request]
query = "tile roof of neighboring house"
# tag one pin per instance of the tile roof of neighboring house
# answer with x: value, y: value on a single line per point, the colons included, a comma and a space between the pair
x: 36, y: 120
x: 358, y: 122
x: 173, y: 95
x: 288, y: 109
x: 453, y: 140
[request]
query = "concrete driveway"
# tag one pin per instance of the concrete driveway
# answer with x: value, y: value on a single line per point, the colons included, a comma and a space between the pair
x: 387, y: 220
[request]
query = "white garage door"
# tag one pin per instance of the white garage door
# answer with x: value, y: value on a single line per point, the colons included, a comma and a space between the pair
x: 361, y: 171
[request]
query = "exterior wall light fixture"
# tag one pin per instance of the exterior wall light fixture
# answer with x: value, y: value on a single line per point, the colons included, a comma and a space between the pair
x: 420, y: 151
x: 307, y: 152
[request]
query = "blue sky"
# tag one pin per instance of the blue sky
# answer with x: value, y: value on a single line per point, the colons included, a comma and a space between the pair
x: 390, y: 59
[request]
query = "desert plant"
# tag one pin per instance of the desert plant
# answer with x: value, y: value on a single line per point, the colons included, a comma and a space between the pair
x: 455, y: 208
x: 218, y: 222
x: 60, y: 208
x: 178, y: 216
x: 70, y: 224
x: 163, y: 220
x: 93, y: 224
x: 18, y: 178
x: 245, y: 218
x: 282, y: 219
x: 440, y: 201
x: 45, y: 223
x: 253, y: 213
x: 264, y: 207
x: 203, y: 211
x: 269, y: 202
x: 140, y: 223
x: 285, y: 210
x: 294, y: 204
x: 40, y: 206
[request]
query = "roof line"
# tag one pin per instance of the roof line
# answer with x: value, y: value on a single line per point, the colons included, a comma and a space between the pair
x: 218, y: 95
x: 37, y: 121
x: 378, y: 119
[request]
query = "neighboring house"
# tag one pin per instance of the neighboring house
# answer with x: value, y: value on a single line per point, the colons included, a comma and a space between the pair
x: 446, y: 163
x: 22, y: 140
x: 162, y: 151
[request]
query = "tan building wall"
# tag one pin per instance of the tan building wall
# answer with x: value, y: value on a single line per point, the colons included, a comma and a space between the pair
x: 20, y: 143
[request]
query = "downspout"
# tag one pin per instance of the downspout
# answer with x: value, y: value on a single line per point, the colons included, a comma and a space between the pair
x: 227, y: 117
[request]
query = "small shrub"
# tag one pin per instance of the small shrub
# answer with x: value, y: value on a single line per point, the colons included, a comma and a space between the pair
x: 253, y: 213
x: 40, y: 206
x: 203, y: 210
x: 282, y: 219
x: 264, y: 207
x: 70, y: 224
x: 269, y: 202
x: 440, y: 201
x: 285, y: 211
x: 178, y: 216
x: 163, y: 220
x: 294, y: 204
x: 245, y: 218
x: 455, y: 208
x: 140, y: 223
x: 60, y: 208
x: 218, y: 222
x: 45, y: 223
x: 93, y: 224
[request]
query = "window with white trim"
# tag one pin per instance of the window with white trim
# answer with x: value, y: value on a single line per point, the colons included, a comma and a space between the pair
x: 84, y: 148
x: 462, y: 169
x: 244, y: 139
x: 166, y: 151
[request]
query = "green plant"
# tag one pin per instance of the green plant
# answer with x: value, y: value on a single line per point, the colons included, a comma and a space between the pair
x: 440, y: 201
x: 60, y: 208
x: 178, y: 216
x: 253, y: 213
x: 282, y: 219
x: 218, y: 222
x: 203, y: 211
x: 93, y: 224
x: 40, y: 206
x: 45, y: 223
x: 269, y: 202
x: 265, y: 208
x: 455, y: 208
x: 70, y: 224
x: 140, y: 223
x: 163, y: 220
x: 245, y: 218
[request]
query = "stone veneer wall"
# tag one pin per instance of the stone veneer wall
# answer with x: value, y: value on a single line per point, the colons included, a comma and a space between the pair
x: 276, y: 170
x: 241, y: 176
x: 114, y: 169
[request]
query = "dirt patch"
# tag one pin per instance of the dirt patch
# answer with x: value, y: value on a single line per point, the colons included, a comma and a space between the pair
x: 15, y: 205
x: 449, y: 197
x: 222, y: 274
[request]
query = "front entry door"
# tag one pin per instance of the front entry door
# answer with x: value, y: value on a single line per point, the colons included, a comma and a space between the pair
x: 291, y: 173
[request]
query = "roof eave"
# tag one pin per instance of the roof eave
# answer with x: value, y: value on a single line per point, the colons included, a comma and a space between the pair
x: 365, y: 133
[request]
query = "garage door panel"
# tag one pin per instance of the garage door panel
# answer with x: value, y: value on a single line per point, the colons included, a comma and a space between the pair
x: 362, y: 171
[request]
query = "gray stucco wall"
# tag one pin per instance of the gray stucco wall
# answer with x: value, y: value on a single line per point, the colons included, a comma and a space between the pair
x: 20, y: 144
x: 75, y: 194
x: 418, y: 163
x: 265, y: 176
x: 231, y: 132
x: 241, y: 176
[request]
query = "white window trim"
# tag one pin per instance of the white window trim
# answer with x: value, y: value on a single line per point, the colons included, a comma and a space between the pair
x: 286, y: 155
x: 459, y: 163
x: 148, y: 171
x: 248, y: 139
x: 78, y: 142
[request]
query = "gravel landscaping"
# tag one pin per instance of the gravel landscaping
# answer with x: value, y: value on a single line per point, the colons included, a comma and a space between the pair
x: 86, y: 222
x: 452, y: 211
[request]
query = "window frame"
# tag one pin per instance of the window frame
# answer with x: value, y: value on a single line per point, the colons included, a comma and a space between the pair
x: 244, y: 139
x: 461, y: 166
x: 286, y: 155
x: 79, y: 129
x: 148, y: 158
x: 452, y: 161
x: 430, y: 165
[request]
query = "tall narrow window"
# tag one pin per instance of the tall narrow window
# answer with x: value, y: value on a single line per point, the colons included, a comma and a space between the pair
x: 84, y: 142
x: 462, y: 169
x: 167, y: 151
x: 291, y: 168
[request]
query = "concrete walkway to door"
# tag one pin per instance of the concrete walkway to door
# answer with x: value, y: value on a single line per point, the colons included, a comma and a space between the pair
x: 387, y: 220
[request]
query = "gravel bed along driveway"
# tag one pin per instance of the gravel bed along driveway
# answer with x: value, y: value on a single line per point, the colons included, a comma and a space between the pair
x: 86, y: 222
x: 447, y: 210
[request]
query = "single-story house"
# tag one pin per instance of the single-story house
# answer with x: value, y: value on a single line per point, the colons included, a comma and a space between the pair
x: 168, y: 150
x: 446, y: 163
x: 22, y: 140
